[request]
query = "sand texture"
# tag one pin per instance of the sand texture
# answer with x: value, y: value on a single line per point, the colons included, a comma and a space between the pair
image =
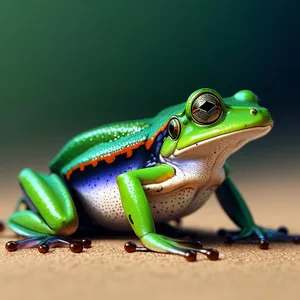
x: 106, y: 271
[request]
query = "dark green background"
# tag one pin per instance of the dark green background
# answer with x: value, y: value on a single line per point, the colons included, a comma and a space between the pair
x: 67, y: 66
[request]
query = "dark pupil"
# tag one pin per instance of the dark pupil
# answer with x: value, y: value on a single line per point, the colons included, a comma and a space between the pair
x: 207, y: 106
x: 206, y: 109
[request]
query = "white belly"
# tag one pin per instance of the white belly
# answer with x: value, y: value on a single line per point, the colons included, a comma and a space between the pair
x: 179, y: 196
x: 199, y: 171
x: 172, y: 199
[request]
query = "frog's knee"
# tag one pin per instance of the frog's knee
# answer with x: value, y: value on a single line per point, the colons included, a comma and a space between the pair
x: 26, y: 174
x: 65, y: 225
x: 124, y: 180
x: 51, y: 199
x: 30, y: 179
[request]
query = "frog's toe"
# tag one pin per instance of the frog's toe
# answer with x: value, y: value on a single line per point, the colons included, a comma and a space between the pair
x: 62, y: 242
x: 25, y: 243
x: 296, y: 239
x: 131, y: 247
x: 282, y: 230
x: 45, y: 242
x: 281, y: 235
x: 43, y: 248
x: 252, y: 234
x: 263, y: 244
x: 195, y: 246
x: 260, y: 235
x: 186, y: 248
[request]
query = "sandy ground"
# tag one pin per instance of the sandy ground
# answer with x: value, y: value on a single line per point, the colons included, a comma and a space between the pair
x: 106, y: 271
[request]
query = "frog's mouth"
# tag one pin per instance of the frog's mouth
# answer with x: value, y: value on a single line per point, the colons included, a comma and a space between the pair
x: 228, y: 142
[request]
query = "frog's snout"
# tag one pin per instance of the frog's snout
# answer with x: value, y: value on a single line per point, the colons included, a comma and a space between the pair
x: 263, y: 116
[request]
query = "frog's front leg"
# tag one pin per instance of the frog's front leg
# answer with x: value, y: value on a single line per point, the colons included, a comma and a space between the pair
x: 139, y: 215
x: 234, y: 205
x: 50, y: 216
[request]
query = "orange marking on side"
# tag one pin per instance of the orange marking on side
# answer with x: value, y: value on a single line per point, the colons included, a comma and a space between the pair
x: 109, y: 158
x: 129, y: 153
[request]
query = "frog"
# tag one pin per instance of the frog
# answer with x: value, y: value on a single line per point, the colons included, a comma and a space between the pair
x: 131, y: 176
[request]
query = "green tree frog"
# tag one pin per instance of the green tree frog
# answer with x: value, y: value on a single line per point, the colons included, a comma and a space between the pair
x: 135, y: 174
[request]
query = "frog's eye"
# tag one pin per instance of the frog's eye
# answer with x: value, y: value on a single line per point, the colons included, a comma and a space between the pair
x: 206, y: 109
x: 174, y: 128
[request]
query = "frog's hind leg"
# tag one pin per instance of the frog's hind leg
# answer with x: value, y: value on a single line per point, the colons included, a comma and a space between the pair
x: 234, y: 205
x: 50, y: 215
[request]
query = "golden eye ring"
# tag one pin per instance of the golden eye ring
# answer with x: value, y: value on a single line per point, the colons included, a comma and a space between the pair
x: 206, y: 109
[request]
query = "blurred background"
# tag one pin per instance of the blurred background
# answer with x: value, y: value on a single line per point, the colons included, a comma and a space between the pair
x: 68, y: 66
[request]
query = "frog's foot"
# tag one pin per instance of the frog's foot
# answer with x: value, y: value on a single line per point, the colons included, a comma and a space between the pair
x: 162, y: 244
x: 260, y: 234
x: 281, y: 235
x: 44, y: 242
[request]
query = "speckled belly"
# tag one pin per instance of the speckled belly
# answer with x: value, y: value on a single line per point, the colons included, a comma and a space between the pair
x: 104, y: 206
x: 199, y: 171
x: 178, y: 203
x: 194, y: 182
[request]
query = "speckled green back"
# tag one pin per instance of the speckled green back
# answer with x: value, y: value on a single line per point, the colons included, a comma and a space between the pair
x: 109, y: 138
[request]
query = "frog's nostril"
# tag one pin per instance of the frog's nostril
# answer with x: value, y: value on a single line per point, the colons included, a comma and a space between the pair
x: 253, y: 111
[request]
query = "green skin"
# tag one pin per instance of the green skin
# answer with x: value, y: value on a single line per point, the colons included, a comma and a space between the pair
x: 56, y: 214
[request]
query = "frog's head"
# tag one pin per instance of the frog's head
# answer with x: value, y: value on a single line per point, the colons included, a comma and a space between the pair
x: 208, y: 119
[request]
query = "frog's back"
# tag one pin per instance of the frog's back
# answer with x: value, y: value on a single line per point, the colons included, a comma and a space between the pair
x: 107, y: 142
x: 85, y: 141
